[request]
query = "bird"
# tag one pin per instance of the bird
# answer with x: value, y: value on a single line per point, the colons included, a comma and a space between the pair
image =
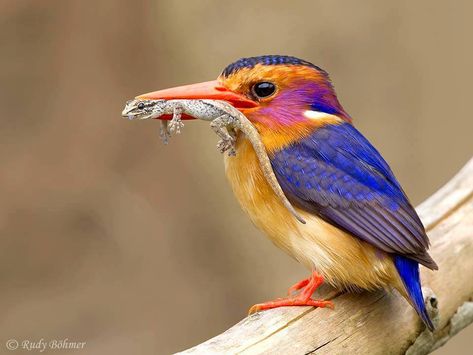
x: 361, y: 232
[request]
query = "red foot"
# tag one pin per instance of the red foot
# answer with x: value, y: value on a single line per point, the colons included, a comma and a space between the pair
x: 308, y: 287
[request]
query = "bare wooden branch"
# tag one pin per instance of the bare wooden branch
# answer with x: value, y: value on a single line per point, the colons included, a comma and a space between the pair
x: 380, y: 322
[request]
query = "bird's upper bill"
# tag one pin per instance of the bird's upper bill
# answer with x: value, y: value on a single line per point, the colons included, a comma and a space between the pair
x: 274, y: 92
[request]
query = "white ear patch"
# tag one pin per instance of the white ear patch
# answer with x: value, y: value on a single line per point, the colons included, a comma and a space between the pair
x: 317, y: 115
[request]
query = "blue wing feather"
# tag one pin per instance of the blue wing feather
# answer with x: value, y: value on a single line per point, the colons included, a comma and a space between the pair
x: 337, y: 174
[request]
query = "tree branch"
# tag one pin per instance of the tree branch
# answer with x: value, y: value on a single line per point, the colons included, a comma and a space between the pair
x: 378, y: 322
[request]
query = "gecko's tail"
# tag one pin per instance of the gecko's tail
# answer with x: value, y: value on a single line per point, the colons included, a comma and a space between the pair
x: 408, y: 270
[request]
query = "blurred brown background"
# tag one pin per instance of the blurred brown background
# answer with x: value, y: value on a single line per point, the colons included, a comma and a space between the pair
x: 109, y: 237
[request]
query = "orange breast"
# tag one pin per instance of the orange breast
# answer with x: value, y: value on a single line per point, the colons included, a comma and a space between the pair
x: 255, y: 195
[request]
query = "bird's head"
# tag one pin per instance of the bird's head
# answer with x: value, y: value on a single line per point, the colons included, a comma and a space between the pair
x: 286, y: 98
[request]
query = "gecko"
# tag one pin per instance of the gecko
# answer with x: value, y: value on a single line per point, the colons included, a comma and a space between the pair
x: 224, y: 120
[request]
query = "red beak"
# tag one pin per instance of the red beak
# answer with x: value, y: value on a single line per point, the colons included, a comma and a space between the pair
x: 209, y: 90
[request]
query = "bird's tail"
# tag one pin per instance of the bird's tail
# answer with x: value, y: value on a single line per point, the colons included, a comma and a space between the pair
x: 408, y: 269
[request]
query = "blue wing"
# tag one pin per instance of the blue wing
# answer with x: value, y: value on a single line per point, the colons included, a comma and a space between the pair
x: 337, y: 174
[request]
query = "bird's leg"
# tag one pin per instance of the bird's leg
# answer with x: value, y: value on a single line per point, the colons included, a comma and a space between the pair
x: 298, y: 286
x: 176, y: 123
x: 227, y: 141
x: 163, y: 131
x: 302, y: 299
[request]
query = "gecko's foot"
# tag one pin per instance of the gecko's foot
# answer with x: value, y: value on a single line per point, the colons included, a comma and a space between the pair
x: 227, y: 145
x: 175, y: 125
x: 163, y: 132
x: 164, y: 135
x: 307, y: 286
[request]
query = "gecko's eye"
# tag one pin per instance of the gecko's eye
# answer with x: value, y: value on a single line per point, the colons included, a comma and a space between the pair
x: 263, y: 89
x: 141, y: 105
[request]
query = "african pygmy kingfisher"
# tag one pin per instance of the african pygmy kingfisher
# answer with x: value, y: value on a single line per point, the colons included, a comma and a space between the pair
x: 361, y: 232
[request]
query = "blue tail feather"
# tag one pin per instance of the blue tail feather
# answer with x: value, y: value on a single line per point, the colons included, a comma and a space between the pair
x: 408, y: 269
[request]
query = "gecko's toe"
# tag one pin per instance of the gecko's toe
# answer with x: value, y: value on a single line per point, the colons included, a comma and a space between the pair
x: 225, y: 145
x: 175, y: 127
x: 221, y: 146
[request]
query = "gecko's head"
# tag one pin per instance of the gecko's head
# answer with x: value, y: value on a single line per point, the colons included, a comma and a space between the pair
x: 141, y: 109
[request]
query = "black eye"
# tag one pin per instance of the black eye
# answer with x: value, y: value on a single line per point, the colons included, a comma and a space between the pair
x: 264, y: 89
x: 141, y: 105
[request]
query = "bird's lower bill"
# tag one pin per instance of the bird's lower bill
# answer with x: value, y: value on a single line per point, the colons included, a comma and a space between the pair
x: 167, y: 117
